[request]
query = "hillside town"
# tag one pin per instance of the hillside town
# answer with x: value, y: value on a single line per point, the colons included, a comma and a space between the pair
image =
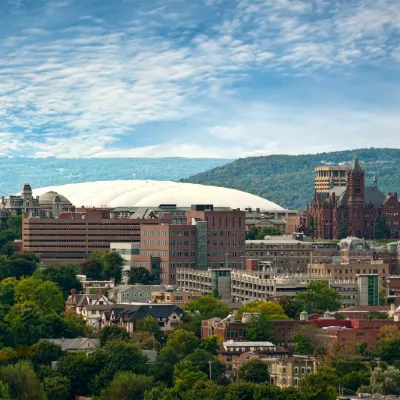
x: 207, y: 300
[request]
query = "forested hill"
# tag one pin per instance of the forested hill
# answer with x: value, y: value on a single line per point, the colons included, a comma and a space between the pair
x: 289, y: 180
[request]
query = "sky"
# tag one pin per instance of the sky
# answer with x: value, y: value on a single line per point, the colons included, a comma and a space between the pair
x: 197, y: 78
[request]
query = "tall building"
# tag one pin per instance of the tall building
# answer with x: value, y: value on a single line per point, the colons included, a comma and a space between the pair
x: 73, y: 236
x: 353, y: 210
x: 330, y: 177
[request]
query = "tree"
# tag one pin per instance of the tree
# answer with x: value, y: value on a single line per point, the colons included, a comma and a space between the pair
x: 185, y: 379
x: 268, y: 231
x: 311, y: 226
x: 163, y: 369
x: 150, y: 324
x: 57, y: 388
x: 127, y: 386
x: 385, y: 381
x: 183, y: 342
x: 210, y: 345
x: 318, y: 298
x: 207, y: 307
x: 140, y: 276
x: 22, y: 381
x: 145, y: 340
x: 254, y: 371
x: 272, y: 310
x: 259, y: 328
x: 389, y: 351
x: 303, y: 344
x: 343, y: 231
x: 45, y: 352
x: 93, y: 269
x: 387, y: 333
x: 4, y: 391
x: 20, y: 267
x: 113, y: 265
x: 319, y: 386
x: 46, y: 294
x: 200, y: 360
x: 381, y: 229
x: 7, y: 292
x: 112, y: 332
x: 64, y: 276
x: 116, y: 356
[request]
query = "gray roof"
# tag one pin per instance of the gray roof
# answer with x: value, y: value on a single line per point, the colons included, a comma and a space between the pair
x: 76, y: 343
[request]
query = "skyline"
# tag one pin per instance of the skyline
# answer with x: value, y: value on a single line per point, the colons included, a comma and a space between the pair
x: 210, y: 78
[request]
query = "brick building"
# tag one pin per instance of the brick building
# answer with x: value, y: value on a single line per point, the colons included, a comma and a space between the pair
x: 73, y: 236
x: 354, y: 207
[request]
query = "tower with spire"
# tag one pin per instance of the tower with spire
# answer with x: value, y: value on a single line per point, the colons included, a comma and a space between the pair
x: 356, y: 194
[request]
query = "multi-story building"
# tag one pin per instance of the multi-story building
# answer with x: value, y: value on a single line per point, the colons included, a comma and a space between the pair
x: 288, y: 371
x: 73, y: 236
x: 354, y: 209
x: 330, y: 177
x: 285, y: 253
x: 126, y: 251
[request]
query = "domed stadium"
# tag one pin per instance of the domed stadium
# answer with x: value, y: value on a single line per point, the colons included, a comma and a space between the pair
x: 140, y: 193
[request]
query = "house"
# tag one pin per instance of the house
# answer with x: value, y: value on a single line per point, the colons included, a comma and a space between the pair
x: 77, y: 344
x: 126, y: 315
x: 75, y: 302
x: 134, y: 293
x: 92, y: 313
x: 288, y: 371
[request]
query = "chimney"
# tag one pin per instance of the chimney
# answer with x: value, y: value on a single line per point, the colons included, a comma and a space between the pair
x: 258, y: 210
x: 73, y: 295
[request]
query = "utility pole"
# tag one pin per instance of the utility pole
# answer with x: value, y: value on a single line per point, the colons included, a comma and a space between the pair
x: 209, y: 364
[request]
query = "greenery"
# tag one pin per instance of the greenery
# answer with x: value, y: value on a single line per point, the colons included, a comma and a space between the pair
x: 289, y: 180
x: 259, y: 328
x: 255, y: 234
x: 254, y: 371
x: 140, y: 276
x: 381, y: 229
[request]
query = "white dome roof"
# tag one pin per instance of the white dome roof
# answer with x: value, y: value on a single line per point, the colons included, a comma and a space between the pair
x: 136, y: 193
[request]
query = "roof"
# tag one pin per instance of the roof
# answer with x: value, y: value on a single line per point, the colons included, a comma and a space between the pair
x: 76, y: 343
x: 133, y: 313
x: 365, y: 309
x: 248, y: 344
x: 356, y: 165
x: 140, y: 193
x: 48, y: 198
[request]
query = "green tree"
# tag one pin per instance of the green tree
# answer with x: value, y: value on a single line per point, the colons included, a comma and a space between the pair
x: 163, y: 369
x: 57, y: 388
x: 145, y: 340
x: 93, y: 269
x: 251, y: 234
x: 127, y: 386
x: 116, y: 356
x: 389, y: 351
x: 272, y: 310
x: 113, y: 265
x: 343, y: 231
x: 46, y: 294
x: 20, y: 267
x: 254, y: 371
x: 207, y: 307
x: 200, y: 360
x: 385, y: 381
x: 311, y: 226
x: 64, y: 276
x: 303, y: 344
x: 140, y: 276
x: 7, y: 293
x: 318, y: 298
x: 268, y: 231
x: 22, y: 381
x: 112, y: 332
x: 210, y: 345
x: 45, y: 352
x: 185, y: 379
x: 183, y: 342
x: 381, y: 229
x: 150, y: 324
x: 4, y: 391
x: 259, y: 328
x: 319, y: 386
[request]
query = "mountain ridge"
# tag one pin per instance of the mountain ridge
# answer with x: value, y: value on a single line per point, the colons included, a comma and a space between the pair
x: 288, y: 180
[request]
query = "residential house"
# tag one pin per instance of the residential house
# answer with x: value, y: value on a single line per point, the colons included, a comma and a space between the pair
x: 126, y: 315
x: 134, y: 293
x: 77, y: 344
x: 75, y: 301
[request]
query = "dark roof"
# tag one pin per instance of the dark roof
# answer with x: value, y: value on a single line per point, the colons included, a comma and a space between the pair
x: 375, y: 196
x: 134, y: 313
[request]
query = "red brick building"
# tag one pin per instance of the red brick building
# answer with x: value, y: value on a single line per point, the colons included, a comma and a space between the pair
x: 355, y: 206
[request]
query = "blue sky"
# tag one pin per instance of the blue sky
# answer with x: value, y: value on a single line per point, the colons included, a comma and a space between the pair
x: 197, y: 78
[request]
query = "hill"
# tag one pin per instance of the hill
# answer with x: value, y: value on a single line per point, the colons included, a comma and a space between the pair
x: 41, y: 172
x: 289, y: 180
